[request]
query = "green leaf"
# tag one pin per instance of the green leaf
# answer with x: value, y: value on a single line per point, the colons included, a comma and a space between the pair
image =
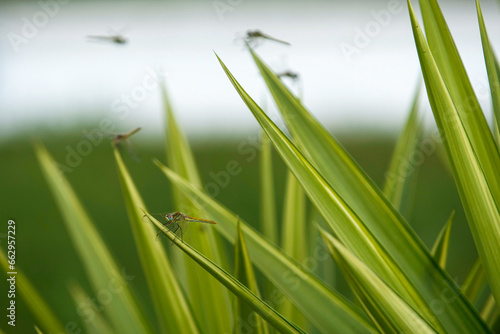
x: 401, y: 177
x: 364, y: 198
x: 454, y: 77
x: 441, y: 245
x: 204, y: 292
x: 475, y: 282
x: 268, y: 200
x: 493, y: 70
x: 33, y: 300
x: 347, y: 225
x: 327, y: 310
x: 490, y: 311
x: 94, y: 322
x: 389, y: 312
x: 294, y: 238
x: 172, y: 309
x: 472, y: 156
x: 123, y: 311
x: 244, y: 315
x: 232, y: 284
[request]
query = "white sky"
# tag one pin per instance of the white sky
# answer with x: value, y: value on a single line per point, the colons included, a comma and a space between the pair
x: 58, y: 77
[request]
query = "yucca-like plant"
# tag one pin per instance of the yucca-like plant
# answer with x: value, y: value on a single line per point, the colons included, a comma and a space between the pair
x: 399, y: 285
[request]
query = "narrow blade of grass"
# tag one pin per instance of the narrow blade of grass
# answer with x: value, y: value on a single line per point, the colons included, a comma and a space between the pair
x: 492, y: 69
x: 490, y: 311
x: 204, y: 292
x: 268, y: 200
x: 93, y: 322
x: 232, y: 284
x: 441, y: 245
x: 368, y: 202
x: 402, y: 174
x: 346, y: 224
x: 473, y: 161
x: 389, y: 312
x: 474, y: 282
x: 243, y: 272
x: 294, y: 238
x: 327, y: 310
x: 171, y: 307
x: 455, y: 79
x: 42, y: 312
x: 123, y: 311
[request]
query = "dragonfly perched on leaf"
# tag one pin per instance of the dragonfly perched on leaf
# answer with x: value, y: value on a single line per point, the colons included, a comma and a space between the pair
x: 254, y: 37
x: 176, y: 222
x: 119, y: 138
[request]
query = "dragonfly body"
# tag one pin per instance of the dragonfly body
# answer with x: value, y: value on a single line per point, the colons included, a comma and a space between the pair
x: 252, y: 35
x: 117, y: 39
x: 177, y: 218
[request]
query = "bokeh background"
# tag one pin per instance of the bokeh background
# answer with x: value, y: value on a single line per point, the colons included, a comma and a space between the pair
x: 56, y: 84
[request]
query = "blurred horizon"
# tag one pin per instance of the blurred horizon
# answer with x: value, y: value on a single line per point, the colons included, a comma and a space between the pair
x: 57, y: 78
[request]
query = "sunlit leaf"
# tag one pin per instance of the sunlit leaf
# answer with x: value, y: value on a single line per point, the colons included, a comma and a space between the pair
x: 441, y: 245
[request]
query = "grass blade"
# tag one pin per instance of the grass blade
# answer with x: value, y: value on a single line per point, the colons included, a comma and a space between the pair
x: 243, y: 272
x: 456, y: 81
x: 475, y: 282
x: 42, y: 312
x: 441, y: 245
x: 493, y: 70
x: 268, y: 203
x: 232, y: 284
x: 327, y: 310
x: 472, y: 162
x: 95, y: 323
x: 389, y: 312
x: 401, y: 176
x: 368, y: 202
x: 204, y: 291
x: 350, y: 229
x: 123, y: 311
x: 294, y: 238
x: 172, y: 309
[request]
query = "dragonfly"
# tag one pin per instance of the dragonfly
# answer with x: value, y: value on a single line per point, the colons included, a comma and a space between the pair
x: 255, y: 35
x: 119, y: 138
x: 288, y: 74
x: 174, y: 221
x: 116, y: 39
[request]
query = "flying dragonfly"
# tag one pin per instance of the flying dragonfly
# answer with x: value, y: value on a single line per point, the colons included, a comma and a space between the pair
x: 288, y: 74
x: 116, y: 39
x: 119, y: 138
x: 255, y: 36
x: 176, y: 221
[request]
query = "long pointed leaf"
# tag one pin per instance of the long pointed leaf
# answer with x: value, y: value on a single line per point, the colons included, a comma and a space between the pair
x: 243, y: 272
x: 172, y: 309
x: 204, y: 292
x: 389, y: 312
x: 350, y: 229
x: 232, y: 284
x: 440, y: 248
x: 328, y: 311
x: 123, y: 311
x: 364, y: 198
x: 469, y: 160
x: 268, y: 206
